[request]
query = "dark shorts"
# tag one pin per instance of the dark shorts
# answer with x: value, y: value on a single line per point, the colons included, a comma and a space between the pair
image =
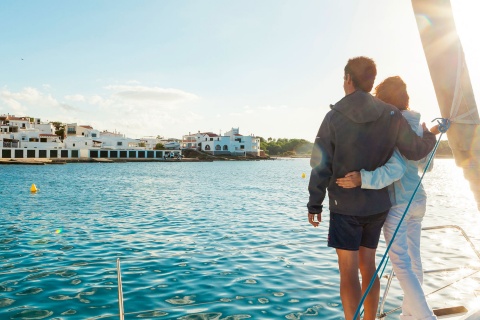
x: 352, y: 232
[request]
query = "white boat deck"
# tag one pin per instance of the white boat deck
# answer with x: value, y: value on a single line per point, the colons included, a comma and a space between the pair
x: 450, y: 290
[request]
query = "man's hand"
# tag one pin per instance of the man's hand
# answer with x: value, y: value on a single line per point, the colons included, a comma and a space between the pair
x: 351, y: 180
x: 435, y: 130
x: 311, y: 219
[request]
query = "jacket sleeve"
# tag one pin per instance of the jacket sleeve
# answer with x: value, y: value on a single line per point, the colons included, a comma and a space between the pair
x: 423, y: 163
x: 385, y: 175
x: 410, y: 144
x: 321, y: 163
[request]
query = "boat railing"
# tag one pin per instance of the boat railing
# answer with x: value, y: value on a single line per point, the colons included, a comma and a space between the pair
x: 443, y: 311
x: 120, y: 291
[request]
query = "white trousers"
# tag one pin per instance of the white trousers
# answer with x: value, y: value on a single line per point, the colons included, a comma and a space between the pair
x: 406, y: 260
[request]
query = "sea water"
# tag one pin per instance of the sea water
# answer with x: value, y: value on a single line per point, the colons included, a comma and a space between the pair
x: 207, y: 240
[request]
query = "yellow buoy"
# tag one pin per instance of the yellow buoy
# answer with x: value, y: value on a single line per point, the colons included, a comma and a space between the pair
x: 33, y: 188
x: 303, y: 175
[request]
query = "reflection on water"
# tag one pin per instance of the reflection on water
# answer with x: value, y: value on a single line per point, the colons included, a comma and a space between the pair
x: 196, y: 241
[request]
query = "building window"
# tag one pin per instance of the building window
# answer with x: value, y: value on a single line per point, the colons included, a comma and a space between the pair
x: 211, y: 139
x: 74, y: 144
x: 207, y: 147
x: 218, y: 147
x: 242, y: 147
x: 85, y: 143
x: 225, y: 148
x: 119, y: 143
x: 94, y: 135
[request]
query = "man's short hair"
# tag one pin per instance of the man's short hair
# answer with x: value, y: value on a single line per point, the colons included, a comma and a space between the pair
x: 362, y: 71
x: 393, y: 90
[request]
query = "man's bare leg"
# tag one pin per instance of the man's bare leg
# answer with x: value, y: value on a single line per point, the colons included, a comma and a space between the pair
x: 350, y: 291
x: 367, y: 269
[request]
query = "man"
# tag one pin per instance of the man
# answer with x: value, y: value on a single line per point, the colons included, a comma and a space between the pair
x: 360, y: 132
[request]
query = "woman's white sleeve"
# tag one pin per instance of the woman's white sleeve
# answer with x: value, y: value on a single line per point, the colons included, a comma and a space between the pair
x: 385, y: 175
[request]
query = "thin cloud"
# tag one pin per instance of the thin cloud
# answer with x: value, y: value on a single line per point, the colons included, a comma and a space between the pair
x: 151, y: 93
x: 68, y: 107
x: 268, y: 108
x: 133, y: 82
x: 75, y: 97
x: 19, y: 101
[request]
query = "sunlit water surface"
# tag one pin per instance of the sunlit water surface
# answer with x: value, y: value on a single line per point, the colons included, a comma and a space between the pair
x: 221, y: 240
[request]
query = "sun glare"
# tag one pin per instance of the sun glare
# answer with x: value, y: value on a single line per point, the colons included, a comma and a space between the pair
x: 465, y: 13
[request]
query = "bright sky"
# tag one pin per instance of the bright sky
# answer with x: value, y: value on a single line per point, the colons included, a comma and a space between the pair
x: 148, y: 67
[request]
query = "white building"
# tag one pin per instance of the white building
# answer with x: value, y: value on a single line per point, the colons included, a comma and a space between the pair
x: 87, y: 139
x: 151, y: 142
x: 27, y: 133
x: 25, y: 137
x: 231, y: 143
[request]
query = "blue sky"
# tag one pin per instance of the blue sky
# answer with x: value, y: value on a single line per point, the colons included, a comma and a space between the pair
x: 147, y: 68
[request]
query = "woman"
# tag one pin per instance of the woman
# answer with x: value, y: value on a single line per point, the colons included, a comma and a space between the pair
x: 402, y: 177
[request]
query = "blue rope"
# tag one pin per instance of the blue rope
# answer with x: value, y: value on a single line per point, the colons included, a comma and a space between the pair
x: 443, y: 125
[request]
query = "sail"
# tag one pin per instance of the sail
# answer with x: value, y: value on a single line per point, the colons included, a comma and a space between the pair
x: 451, y: 81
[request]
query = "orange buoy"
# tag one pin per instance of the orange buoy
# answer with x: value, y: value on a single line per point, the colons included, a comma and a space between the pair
x: 33, y: 188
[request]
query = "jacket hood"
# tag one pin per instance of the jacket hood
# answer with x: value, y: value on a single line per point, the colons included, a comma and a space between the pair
x: 359, y: 107
x: 413, y: 119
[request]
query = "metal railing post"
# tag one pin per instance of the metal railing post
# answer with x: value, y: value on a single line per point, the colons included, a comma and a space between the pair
x: 120, y: 291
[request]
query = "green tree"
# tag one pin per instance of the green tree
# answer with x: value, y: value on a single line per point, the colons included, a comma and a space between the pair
x: 59, y: 129
x: 286, y: 147
x: 159, y: 146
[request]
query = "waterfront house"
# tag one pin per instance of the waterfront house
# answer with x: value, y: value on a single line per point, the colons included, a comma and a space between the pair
x: 25, y: 137
x: 151, y: 142
x: 231, y: 143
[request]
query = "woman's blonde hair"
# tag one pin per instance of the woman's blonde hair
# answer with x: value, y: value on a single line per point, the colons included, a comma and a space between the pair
x: 393, y: 90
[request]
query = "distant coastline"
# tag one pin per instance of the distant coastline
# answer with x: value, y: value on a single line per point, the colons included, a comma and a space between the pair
x: 305, y: 156
x: 299, y: 148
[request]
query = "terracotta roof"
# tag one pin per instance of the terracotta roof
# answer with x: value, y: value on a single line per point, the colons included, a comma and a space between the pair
x: 210, y: 134
x: 48, y: 135
x: 238, y: 135
x: 87, y: 127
